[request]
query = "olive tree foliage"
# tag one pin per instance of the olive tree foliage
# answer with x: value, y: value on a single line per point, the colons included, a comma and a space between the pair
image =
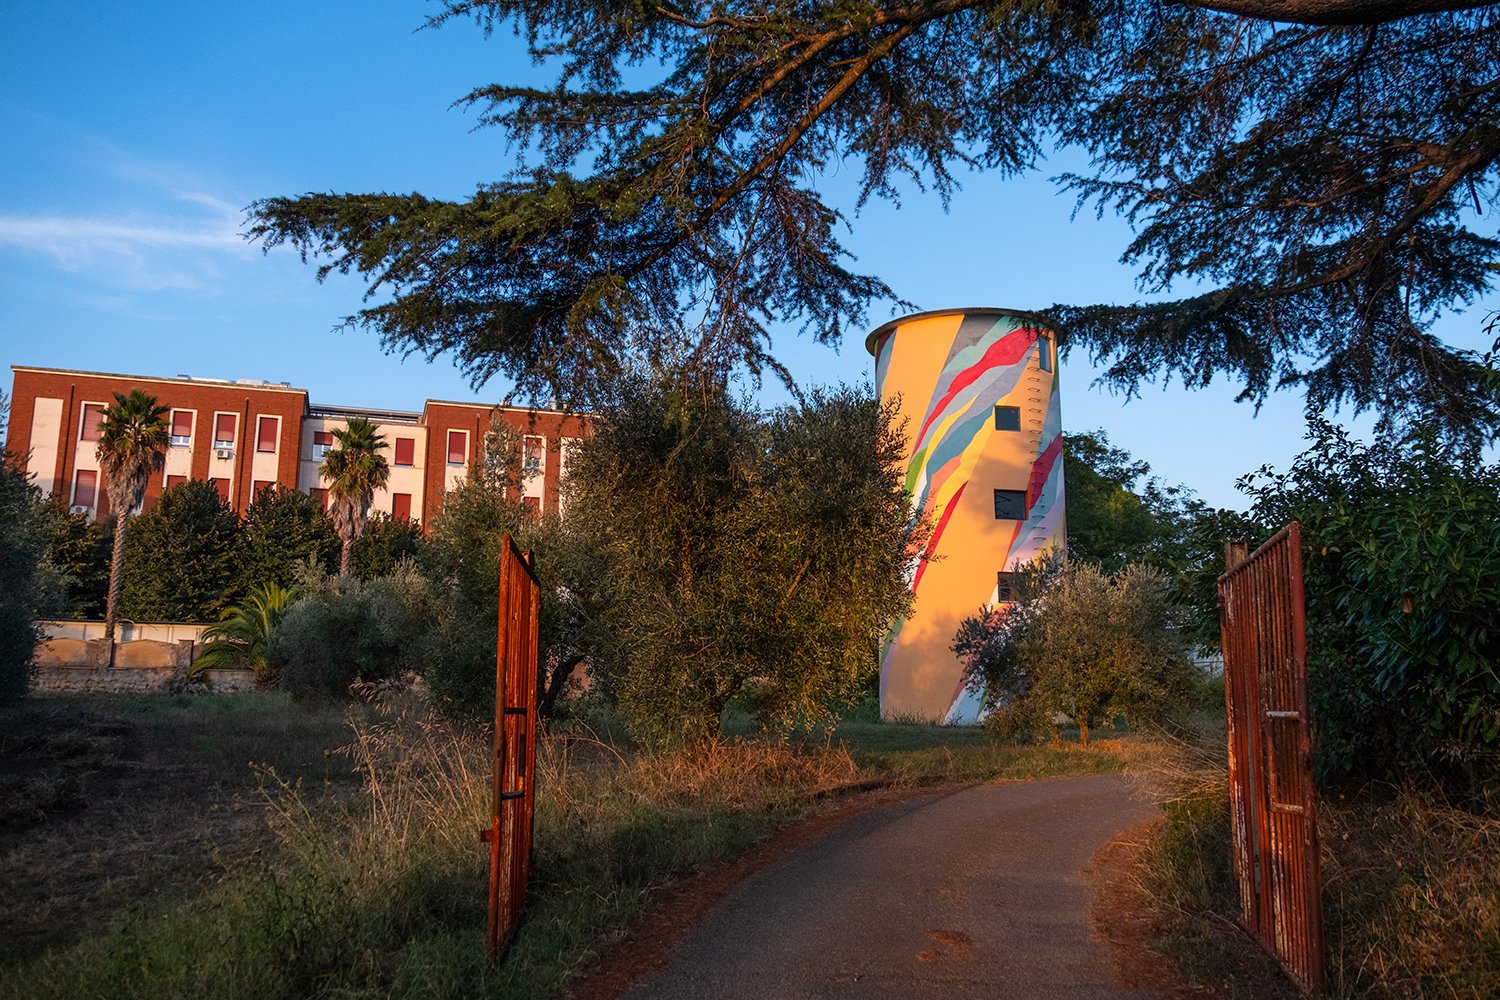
x: 1401, y: 562
x: 342, y: 631
x: 1307, y: 197
x: 747, y: 555
x: 1081, y: 642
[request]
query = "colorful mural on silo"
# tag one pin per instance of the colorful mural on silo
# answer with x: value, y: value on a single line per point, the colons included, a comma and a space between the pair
x: 978, y: 391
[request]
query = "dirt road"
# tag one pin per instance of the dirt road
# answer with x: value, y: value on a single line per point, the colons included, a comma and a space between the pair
x: 974, y: 893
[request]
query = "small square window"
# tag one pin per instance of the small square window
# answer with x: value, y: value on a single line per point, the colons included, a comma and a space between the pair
x: 1007, y: 418
x: 322, y: 443
x: 1044, y: 353
x: 401, y: 506
x: 1005, y: 587
x: 1010, y: 505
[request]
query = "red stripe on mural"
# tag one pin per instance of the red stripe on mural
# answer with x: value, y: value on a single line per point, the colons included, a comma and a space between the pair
x: 937, y: 532
x: 1006, y: 351
x: 1041, y: 469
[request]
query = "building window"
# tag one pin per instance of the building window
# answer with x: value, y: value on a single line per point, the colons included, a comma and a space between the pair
x: 265, y: 435
x: 93, y: 416
x: 221, y: 487
x: 533, y: 506
x: 175, y: 481
x: 1010, y: 505
x: 458, y: 447
x: 182, y: 428
x: 321, y: 496
x: 1007, y: 418
x: 401, y: 506
x: 406, y: 451
x: 260, y: 484
x: 86, y: 489
x: 1044, y: 352
x: 1005, y: 588
x: 533, y: 455
x: 322, y: 443
x: 224, y: 430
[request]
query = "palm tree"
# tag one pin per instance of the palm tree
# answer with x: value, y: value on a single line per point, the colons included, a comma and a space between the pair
x: 354, y: 469
x: 132, y: 447
x: 242, y: 634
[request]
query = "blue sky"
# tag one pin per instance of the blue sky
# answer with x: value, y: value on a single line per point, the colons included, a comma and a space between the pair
x: 135, y: 135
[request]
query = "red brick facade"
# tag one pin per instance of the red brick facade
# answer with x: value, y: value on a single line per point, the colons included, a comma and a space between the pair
x: 265, y: 432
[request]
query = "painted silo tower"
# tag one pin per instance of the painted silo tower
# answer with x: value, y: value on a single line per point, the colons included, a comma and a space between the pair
x: 978, y: 390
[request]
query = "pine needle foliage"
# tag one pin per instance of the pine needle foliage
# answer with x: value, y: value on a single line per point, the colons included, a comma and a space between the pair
x: 1308, y: 198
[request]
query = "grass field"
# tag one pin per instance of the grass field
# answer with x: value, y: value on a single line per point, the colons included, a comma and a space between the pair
x: 153, y: 860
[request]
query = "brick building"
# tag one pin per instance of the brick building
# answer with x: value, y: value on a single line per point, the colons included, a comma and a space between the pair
x: 243, y: 435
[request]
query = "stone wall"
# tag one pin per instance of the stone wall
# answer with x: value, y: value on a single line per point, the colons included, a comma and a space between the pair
x: 69, y: 664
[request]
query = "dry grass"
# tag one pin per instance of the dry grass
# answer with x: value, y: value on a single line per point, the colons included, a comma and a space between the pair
x: 1411, y: 887
x: 372, y: 887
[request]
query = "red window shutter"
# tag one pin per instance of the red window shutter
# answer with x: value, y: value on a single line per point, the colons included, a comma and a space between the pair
x: 93, y: 415
x: 401, y: 506
x: 224, y: 429
x: 265, y: 434
x: 260, y: 484
x: 323, y: 437
x: 182, y: 423
x: 406, y: 450
x: 221, y: 487
x: 175, y: 481
x: 458, y: 447
x: 321, y: 496
x: 533, y: 505
x: 85, y: 492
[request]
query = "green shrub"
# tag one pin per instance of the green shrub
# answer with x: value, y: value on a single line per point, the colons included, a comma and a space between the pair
x: 346, y: 631
x: 182, y: 557
x: 28, y: 583
x: 1401, y: 556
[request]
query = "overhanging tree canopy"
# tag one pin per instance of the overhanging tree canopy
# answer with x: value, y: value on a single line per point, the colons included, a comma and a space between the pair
x: 1324, y: 181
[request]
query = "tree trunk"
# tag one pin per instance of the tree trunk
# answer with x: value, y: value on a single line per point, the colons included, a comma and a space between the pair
x: 555, y: 685
x: 348, y: 544
x: 1083, y: 729
x: 116, y: 580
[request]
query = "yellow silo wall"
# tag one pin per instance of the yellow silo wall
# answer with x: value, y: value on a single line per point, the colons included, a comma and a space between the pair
x: 950, y: 371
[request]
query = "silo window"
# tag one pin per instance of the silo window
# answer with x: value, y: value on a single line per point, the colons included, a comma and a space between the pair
x: 1007, y: 418
x: 1005, y: 588
x: 1044, y: 353
x: 1010, y: 505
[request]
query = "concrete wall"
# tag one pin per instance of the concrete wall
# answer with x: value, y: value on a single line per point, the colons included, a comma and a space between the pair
x: 75, y: 657
x: 989, y: 481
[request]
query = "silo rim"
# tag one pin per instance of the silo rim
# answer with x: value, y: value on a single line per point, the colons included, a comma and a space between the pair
x: 929, y: 314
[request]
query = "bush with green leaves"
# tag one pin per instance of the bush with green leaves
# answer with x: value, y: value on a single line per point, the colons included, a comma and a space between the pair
x: 182, y: 557
x: 747, y: 554
x: 343, y: 631
x: 284, y: 528
x: 1080, y: 642
x: 29, y: 585
x: 1401, y: 557
x: 383, y: 544
x: 242, y: 635
x: 80, y: 553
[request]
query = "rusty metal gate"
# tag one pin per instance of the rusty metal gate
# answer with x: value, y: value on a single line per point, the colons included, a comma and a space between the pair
x: 512, y: 812
x: 1270, y: 748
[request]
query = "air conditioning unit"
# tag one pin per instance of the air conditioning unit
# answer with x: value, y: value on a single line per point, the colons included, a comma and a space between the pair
x: 79, y: 508
x: 223, y: 451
